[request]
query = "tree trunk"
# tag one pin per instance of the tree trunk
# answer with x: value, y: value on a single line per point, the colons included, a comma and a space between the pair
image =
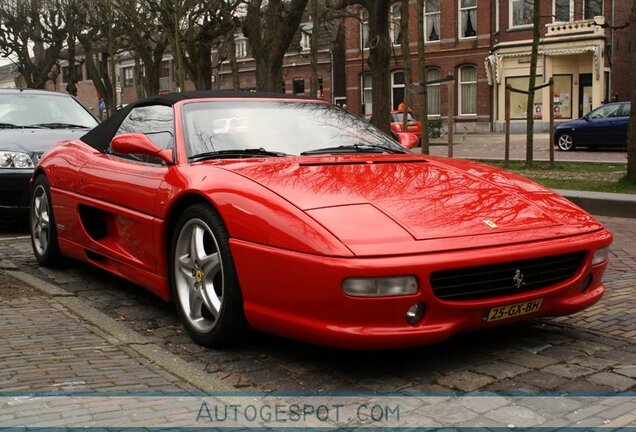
x: 421, y: 72
x: 379, y: 57
x: 631, y: 143
x: 231, y: 52
x: 313, y: 48
x: 71, y: 85
x: 534, y: 57
x: 406, y: 59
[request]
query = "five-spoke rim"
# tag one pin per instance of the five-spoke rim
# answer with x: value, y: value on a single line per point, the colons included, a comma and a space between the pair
x: 40, y: 220
x: 565, y: 142
x: 198, y: 273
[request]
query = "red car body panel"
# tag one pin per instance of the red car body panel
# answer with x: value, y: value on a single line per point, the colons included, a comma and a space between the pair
x: 299, y: 226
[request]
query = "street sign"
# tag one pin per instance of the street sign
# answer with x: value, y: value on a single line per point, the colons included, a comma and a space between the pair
x: 101, y: 105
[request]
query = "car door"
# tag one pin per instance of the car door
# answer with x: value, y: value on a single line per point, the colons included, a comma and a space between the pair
x: 598, y: 131
x: 621, y: 124
x: 121, y: 192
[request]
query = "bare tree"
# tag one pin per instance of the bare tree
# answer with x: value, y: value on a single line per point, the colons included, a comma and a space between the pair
x: 379, y: 55
x: 631, y: 143
x: 33, y: 31
x: 270, y: 27
x: 534, y: 56
x: 421, y: 72
x: 147, y: 41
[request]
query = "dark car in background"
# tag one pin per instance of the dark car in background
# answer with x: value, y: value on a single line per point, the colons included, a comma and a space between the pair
x: 31, y: 121
x: 606, y: 126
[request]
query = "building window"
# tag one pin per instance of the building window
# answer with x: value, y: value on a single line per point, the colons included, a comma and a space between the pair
x: 397, y: 88
x: 395, y: 29
x: 305, y: 36
x: 468, y: 90
x: 563, y: 10
x: 299, y: 86
x: 434, y: 94
x: 592, y: 8
x: 364, y: 30
x: 164, y: 76
x: 367, y: 94
x: 519, y: 101
x: 521, y: 12
x: 241, y: 47
x: 66, y: 74
x: 128, y: 73
x: 431, y: 20
x: 496, y: 16
x: 468, y: 18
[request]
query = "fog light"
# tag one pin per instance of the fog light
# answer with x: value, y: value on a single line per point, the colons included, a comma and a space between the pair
x: 600, y: 255
x: 380, y: 287
x: 415, y: 313
x: 586, y: 283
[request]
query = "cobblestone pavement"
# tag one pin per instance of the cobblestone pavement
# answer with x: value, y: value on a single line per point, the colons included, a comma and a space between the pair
x: 591, y: 351
x: 46, y: 349
x: 491, y: 146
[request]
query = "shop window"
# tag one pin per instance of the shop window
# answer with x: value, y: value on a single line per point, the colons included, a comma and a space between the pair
x: 434, y: 94
x: 521, y: 12
x: 367, y: 94
x: 563, y: 10
x: 592, y: 8
x: 467, y: 18
x: 519, y: 102
x: 562, y: 97
x: 468, y: 90
x: 431, y: 20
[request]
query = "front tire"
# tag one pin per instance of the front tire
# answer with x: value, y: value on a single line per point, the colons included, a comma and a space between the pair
x: 42, y: 225
x: 565, y: 142
x: 203, y: 279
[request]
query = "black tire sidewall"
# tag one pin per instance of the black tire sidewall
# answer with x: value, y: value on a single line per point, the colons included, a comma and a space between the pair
x: 231, y: 324
x: 51, y: 255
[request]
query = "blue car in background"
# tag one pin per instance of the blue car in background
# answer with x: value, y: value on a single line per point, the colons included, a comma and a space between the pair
x: 606, y: 126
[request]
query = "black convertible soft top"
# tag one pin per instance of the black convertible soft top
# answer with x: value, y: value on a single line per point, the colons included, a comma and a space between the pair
x: 100, y: 137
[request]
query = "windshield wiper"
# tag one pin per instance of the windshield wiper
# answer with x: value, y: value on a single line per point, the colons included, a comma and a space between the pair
x: 60, y: 126
x: 353, y: 148
x: 238, y: 153
x: 14, y: 126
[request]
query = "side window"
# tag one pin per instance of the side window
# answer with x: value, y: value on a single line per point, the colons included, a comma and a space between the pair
x: 627, y: 109
x: 156, y: 122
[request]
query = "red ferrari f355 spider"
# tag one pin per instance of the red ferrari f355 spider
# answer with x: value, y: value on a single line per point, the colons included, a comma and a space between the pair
x: 294, y: 217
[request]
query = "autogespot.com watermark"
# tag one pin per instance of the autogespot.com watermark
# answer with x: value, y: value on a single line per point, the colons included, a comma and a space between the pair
x: 304, y: 413
x: 302, y: 410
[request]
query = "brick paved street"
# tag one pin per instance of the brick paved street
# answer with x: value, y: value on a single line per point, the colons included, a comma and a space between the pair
x: 592, y: 351
x: 45, y: 348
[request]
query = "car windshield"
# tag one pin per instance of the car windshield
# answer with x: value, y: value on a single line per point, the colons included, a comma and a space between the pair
x: 27, y: 109
x: 278, y: 127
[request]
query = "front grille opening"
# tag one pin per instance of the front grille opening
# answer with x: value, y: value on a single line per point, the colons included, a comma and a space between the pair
x: 474, y: 283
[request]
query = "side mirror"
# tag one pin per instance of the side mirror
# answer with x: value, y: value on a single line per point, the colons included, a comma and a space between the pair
x: 140, y: 144
x: 586, y: 117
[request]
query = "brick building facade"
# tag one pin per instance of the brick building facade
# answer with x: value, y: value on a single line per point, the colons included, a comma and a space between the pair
x: 486, y: 45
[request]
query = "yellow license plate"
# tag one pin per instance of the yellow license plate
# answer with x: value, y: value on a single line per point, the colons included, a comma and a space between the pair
x: 511, y: 311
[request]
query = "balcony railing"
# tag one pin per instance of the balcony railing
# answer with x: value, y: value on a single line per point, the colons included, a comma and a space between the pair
x: 589, y: 27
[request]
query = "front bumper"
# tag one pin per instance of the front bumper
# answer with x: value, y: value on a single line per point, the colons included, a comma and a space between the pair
x: 14, y: 188
x: 299, y: 296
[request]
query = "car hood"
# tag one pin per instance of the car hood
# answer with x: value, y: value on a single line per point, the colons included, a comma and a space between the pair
x: 374, y: 201
x: 35, y: 140
x: 572, y: 124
